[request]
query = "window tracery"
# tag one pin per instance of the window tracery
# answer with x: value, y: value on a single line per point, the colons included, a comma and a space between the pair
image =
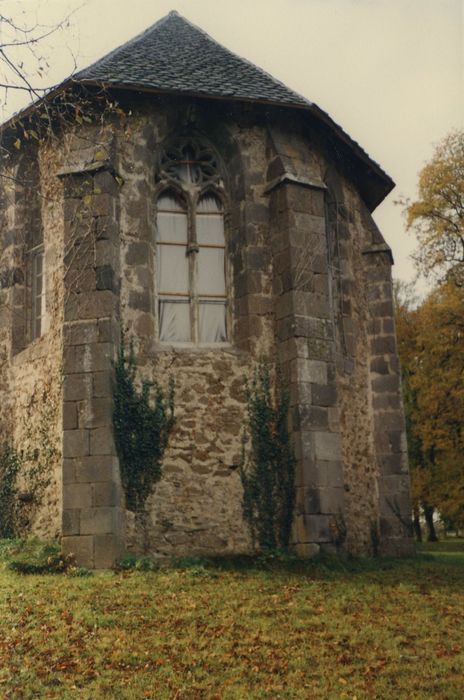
x: 189, y: 162
x: 190, y: 238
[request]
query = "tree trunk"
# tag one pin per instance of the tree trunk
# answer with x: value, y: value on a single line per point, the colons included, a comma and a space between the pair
x: 428, y: 513
x: 417, y: 524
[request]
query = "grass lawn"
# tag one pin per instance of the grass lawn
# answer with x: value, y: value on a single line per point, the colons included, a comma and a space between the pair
x: 385, y: 629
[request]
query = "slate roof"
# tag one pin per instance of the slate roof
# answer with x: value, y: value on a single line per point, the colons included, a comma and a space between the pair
x: 175, y: 55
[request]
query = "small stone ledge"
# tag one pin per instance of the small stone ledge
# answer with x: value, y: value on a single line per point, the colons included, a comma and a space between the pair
x: 289, y: 178
x: 379, y: 248
x: 85, y: 168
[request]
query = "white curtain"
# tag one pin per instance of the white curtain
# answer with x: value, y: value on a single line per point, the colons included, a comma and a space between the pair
x: 212, y: 322
x: 210, y: 221
x: 211, y: 277
x: 173, y: 269
x: 171, y: 221
x: 174, y: 321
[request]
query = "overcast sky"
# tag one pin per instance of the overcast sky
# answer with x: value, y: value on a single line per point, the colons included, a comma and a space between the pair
x: 390, y: 72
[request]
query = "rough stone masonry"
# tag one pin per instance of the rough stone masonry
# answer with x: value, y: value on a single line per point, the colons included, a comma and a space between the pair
x: 308, y: 284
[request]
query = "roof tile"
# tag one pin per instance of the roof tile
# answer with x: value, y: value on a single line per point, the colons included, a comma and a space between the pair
x: 173, y: 54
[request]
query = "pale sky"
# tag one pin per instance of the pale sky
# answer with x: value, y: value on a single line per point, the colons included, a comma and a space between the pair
x: 390, y: 72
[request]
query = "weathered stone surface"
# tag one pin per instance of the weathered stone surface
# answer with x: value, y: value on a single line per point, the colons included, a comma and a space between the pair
x: 108, y: 549
x: 75, y: 443
x: 76, y: 387
x: 81, y: 548
x: 327, y: 446
x: 96, y: 468
x: 301, y: 292
x: 77, y: 496
x: 101, y: 441
x: 99, y: 521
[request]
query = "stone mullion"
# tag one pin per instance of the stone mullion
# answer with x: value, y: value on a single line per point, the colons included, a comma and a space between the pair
x: 92, y: 495
x: 389, y: 426
x: 305, y: 346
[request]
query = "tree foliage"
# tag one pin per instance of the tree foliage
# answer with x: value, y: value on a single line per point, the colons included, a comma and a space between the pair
x: 431, y: 347
x: 268, y: 472
x: 437, y: 217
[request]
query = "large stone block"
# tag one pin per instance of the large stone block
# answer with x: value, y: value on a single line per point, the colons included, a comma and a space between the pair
x: 77, y: 387
x: 101, y: 441
x: 102, y: 384
x: 95, y: 412
x: 384, y: 344
x: 324, y: 394
x: 311, y: 371
x: 77, y: 496
x: 319, y: 528
x: 71, y: 522
x: 386, y: 383
x: 106, y: 494
x: 75, y: 443
x: 100, y: 521
x: 69, y: 471
x: 82, y: 549
x: 323, y: 474
x: 307, y: 549
x: 327, y: 500
x: 311, y: 418
x: 327, y: 446
x: 108, y: 548
x: 94, y: 357
x: 69, y: 415
x: 90, y: 305
x: 96, y: 468
x: 306, y: 200
x: 80, y: 333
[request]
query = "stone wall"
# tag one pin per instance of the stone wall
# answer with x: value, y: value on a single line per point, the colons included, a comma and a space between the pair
x: 30, y: 406
x: 309, y: 286
x: 196, y: 506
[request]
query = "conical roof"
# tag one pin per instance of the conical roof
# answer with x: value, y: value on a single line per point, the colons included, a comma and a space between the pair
x: 175, y: 55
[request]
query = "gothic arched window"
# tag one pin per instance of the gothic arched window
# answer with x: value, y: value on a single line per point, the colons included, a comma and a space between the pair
x: 191, y: 265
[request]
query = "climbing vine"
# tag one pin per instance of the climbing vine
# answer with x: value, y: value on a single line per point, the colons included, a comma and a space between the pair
x: 9, y: 469
x: 24, y: 478
x: 268, y: 470
x: 142, y: 426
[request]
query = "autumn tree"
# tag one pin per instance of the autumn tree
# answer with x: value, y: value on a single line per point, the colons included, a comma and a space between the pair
x: 431, y: 347
x: 437, y: 216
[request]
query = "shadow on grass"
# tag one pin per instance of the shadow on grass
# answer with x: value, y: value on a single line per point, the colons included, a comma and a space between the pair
x: 441, y: 563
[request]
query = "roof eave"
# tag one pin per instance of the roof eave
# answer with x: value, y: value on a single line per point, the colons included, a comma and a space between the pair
x: 377, y: 190
x: 374, y: 191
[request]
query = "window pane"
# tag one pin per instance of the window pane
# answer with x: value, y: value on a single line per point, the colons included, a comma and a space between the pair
x: 173, y: 269
x: 38, y: 264
x: 209, y: 204
x: 170, y: 202
x: 210, y: 221
x: 210, y: 229
x: 213, y: 322
x: 38, y: 295
x: 211, y: 277
x: 174, y: 321
x: 171, y: 226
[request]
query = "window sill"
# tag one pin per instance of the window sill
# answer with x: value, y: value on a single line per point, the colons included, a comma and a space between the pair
x: 191, y: 349
x: 36, y: 350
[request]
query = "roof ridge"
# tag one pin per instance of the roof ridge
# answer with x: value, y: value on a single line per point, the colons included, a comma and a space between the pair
x: 137, y: 37
x: 244, y: 60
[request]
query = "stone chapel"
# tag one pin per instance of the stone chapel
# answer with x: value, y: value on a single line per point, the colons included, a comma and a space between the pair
x: 175, y: 192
